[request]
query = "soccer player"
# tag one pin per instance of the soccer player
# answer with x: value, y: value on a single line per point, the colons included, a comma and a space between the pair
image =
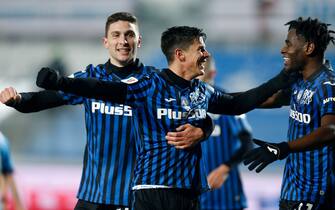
x: 166, y: 177
x: 110, y: 152
x: 222, y: 153
x: 8, y: 183
x: 308, y: 181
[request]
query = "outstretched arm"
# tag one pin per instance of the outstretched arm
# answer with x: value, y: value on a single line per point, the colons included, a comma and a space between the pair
x: 31, y: 101
x: 277, y: 100
x: 236, y: 104
x: 86, y: 87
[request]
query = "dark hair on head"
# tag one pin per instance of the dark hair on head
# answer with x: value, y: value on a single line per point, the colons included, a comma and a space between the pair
x: 314, y: 31
x: 124, y: 16
x: 179, y: 37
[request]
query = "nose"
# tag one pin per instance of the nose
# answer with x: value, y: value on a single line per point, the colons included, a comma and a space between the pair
x: 123, y: 39
x: 207, y: 54
x: 283, y: 50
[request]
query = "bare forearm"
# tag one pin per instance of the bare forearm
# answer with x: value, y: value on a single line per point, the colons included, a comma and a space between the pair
x: 322, y: 136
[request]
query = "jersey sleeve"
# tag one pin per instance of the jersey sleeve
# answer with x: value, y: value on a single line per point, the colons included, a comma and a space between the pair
x: 73, y: 99
x: 219, y: 102
x: 138, y: 91
x: 326, y: 95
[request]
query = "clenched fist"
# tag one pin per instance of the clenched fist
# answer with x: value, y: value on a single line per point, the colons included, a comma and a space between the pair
x: 48, y: 79
x: 9, y: 96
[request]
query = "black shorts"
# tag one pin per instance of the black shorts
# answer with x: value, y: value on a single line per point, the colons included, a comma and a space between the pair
x: 303, y: 205
x: 165, y: 199
x: 85, y: 205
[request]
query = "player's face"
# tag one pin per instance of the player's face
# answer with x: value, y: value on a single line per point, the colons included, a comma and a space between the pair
x: 293, y: 51
x: 122, y: 42
x: 196, y: 56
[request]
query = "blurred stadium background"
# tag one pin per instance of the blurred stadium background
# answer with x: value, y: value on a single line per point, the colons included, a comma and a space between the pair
x: 244, y: 36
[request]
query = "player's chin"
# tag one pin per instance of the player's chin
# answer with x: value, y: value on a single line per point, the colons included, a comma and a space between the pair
x: 291, y: 69
x: 125, y: 58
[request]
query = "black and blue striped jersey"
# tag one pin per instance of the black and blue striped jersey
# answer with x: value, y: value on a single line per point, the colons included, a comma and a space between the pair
x: 110, y: 152
x: 219, y: 149
x: 308, y: 175
x: 161, y: 103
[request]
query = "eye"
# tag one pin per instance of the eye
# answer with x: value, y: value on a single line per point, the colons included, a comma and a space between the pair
x: 131, y: 34
x: 115, y: 34
x: 287, y: 43
x: 202, y: 49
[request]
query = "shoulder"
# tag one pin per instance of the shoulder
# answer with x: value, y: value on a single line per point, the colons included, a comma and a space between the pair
x: 90, y: 68
x: 207, y: 87
x: 144, y: 77
x: 149, y: 69
x: 326, y: 80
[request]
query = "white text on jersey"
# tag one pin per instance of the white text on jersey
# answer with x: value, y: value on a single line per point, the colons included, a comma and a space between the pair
x: 177, y: 115
x: 304, y: 118
x: 112, y: 110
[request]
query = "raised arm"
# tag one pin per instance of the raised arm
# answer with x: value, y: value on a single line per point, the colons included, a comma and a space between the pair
x: 222, y: 103
x: 86, y: 87
x: 277, y: 100
x: 31, y: 101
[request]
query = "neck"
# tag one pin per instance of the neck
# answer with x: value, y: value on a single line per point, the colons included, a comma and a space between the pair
x: 310, y: 68
x: 181, y: 72
x: 121, y: 64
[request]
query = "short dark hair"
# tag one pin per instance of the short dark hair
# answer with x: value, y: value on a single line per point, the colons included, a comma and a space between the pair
x: 179, y: 37
x: 125, y: 16
x: 314, y: 31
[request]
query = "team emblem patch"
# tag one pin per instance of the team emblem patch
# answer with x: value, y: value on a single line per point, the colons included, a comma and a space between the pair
x: 130, y: 80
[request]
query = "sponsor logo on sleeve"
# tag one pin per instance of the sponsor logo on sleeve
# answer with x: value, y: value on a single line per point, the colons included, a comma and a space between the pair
x: 130, y: 80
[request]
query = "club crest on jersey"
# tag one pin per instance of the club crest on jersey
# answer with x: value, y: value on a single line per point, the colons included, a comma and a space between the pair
x: 130, y: 80
x: 305, y: 96
x: 197, y: 97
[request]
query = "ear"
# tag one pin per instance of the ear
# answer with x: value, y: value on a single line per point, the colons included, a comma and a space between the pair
x: 179, y: 54
x: 139, y: 44
x: 105, y: 42
x: 309, y: 48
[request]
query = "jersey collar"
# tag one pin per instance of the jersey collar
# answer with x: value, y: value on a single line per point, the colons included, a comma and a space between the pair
x: 174, y: 79
x: 134, y: 67
x: 316, y: 74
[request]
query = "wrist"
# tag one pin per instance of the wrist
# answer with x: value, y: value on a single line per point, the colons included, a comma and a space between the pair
x: 285, y: 150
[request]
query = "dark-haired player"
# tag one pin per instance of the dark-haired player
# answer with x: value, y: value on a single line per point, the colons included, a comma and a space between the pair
x: 308, y: 181
x: 166, y: 177
x: 110, y: 152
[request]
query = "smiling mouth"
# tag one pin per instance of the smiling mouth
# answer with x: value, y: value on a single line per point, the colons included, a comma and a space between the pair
x: 202, y: 62
x: 286, y: 60
x: 123, y: 50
